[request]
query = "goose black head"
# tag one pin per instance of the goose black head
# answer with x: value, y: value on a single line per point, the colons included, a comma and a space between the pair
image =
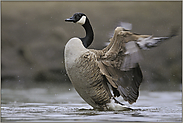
x: 79, y: 18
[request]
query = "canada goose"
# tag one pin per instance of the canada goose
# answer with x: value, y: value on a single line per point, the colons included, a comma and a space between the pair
x: 93, y: 71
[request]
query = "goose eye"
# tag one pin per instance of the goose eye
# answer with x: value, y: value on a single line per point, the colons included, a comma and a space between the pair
x: 78, y: 17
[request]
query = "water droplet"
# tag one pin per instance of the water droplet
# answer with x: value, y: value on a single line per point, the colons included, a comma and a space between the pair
x: 31, y: 68
x: 69, y: 89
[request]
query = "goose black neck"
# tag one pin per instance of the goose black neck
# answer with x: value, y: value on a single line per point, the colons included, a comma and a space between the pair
x: 87, y: 40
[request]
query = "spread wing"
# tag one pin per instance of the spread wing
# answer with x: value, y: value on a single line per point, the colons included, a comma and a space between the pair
x: 120, y: 62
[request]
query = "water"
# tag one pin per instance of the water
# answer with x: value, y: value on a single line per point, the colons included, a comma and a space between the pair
x: 43, y: 104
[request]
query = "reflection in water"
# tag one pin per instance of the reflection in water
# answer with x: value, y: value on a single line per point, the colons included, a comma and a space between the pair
x: 40, y: 104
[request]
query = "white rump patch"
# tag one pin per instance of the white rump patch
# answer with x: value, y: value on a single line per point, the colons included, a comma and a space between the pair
x: 82, y: 20
x: 115, y: 106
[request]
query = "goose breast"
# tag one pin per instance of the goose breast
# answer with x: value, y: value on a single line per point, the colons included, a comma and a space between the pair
x: 87, y: 79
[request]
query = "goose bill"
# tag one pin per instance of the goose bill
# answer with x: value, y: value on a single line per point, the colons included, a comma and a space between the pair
x: 69, y: 20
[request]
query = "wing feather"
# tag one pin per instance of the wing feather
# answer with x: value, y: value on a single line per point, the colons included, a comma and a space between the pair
x: 119, y: 62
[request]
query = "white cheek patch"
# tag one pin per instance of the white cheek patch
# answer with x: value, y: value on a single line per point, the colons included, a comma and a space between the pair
x: 82, y: 20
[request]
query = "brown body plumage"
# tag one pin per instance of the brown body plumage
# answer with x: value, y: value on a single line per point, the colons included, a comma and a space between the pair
x: 117, y: 65
x: 89, y: 82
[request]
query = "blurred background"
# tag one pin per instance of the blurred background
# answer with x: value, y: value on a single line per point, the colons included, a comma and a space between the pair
x: 34, y: 35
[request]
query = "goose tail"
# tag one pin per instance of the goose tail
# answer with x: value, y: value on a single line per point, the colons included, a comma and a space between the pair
x: 115, y: 105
